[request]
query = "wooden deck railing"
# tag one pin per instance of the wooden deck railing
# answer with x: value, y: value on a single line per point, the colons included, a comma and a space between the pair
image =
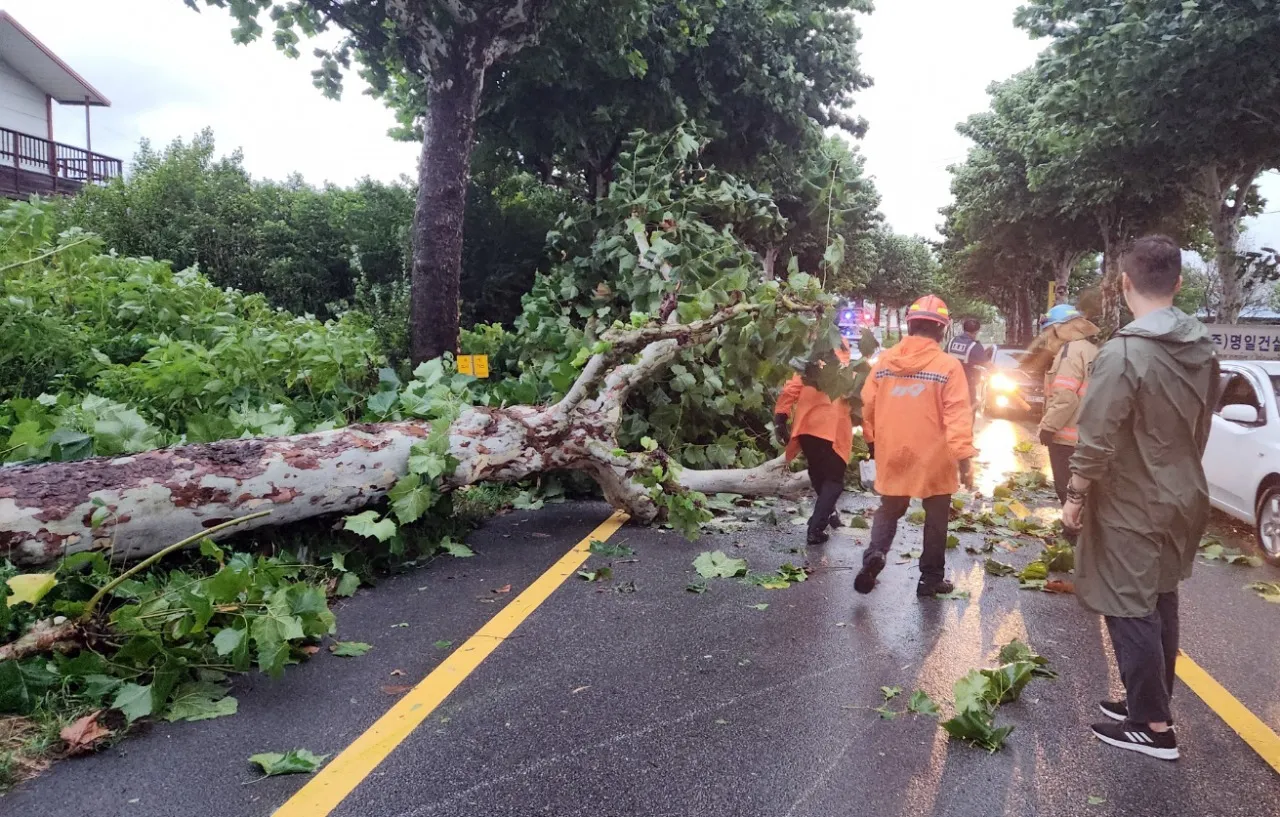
x: 31, y: 154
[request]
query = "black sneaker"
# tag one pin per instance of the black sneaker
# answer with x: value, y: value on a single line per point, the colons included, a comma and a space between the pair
x: 835, y: 521
x: 1138, y: 738
x: 817, y: 537
x: 871, y: 567
x: 927, y: 589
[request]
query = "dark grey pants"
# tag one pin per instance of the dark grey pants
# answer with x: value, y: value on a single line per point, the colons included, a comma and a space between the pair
x: 937, y: 513
x: 1060, y: 462
x: 1147, y: 652
x: 826, y: 475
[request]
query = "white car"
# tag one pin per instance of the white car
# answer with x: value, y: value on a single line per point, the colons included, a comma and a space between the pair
x: 1242, y: 460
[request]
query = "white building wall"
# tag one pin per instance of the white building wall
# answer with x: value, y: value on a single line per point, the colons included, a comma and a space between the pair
x: 22, y: 105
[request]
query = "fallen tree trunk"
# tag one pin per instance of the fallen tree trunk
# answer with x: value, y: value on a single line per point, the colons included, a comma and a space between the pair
x: 134, y: 506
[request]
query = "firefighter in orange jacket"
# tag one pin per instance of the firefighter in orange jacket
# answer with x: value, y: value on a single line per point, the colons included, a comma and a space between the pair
x: 918, y: 424
x: 808, y: 420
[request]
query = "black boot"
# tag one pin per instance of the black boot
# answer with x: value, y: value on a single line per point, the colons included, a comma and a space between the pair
x: 929, y: 587
x: 872, y: 564
x: 824, y: 510
x: 835, y: 521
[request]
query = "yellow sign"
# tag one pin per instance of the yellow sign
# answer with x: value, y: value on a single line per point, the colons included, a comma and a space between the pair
x: 464, y: 364
x: 1053, y: 295
x: 482, y: 366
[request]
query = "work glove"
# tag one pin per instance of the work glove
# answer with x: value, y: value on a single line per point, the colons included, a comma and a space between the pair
x: 966, y: 473
x: 782, y: 427
x: 1046, y: 437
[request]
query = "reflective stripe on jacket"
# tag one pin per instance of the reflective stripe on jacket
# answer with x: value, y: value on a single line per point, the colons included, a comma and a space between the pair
x: 1065, y: 385
x: 915, y: 408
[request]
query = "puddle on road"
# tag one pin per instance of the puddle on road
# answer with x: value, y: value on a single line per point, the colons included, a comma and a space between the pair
x: 997, y: 459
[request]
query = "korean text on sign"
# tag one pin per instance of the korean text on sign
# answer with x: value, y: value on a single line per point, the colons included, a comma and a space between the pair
x: 1246, y: 342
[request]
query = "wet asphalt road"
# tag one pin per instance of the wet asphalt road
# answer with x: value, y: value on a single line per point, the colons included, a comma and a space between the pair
x: 663, y: 702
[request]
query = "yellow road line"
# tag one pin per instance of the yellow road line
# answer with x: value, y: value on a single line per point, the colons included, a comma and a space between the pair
x: 1246, y: 724
x: 326, y: 790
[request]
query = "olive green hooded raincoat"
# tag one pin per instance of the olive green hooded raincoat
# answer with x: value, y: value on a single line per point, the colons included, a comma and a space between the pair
x: 1143, y: 427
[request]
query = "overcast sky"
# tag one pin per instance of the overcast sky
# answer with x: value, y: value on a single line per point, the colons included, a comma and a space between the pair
x: 170, y: 72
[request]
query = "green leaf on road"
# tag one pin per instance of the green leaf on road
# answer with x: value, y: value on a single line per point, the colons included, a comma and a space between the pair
x: 1095, y: 800
x: 294, y: 761
x: 994, y: 567
x: 201, y: 701
x: 977, y: 727
x: 134, y: 701
x: 890, y: 693
x: 886, y: 713
x: 350, y: 649
x: 916, y: 517
x: 600, y: 574
x: 696, y: 587
x: 1007, y: 681
x: 610, y: 551
x: 760, y: 607
x: 954, y: 595
x: 1267, y: 591
x: 971, y: 691
x: 953, y: 541
x: 922, y: 704
x: 1035, y: 571
x: 457, y: 549
x: 442, y: 644
x: 347, y: 585
x: 717, y: 565
x: 1016, y: 651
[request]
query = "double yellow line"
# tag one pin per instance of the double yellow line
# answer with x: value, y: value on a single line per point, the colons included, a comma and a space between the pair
x: 326, y: 790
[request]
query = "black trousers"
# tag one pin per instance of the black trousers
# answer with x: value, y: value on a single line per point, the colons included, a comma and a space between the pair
x: 1060, y: 462
x: 826, y: 474
x: 1146, y: 653
x: 937, y: 513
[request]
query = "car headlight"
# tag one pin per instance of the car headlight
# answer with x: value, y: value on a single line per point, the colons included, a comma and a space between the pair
x: 1002, y: 383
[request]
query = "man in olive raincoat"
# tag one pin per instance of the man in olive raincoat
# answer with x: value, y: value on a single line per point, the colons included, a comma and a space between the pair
x: 1138, y: 492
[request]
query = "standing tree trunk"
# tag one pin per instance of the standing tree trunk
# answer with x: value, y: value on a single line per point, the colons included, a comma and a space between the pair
x: 1109, y: 226
x: 1225, y: 199
x: 443, y: 172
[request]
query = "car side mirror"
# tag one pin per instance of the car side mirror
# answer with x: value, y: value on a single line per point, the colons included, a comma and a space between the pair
x: 1239, y: 413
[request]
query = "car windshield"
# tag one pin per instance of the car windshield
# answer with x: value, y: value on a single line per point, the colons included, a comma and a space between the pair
x: 1007, y: 358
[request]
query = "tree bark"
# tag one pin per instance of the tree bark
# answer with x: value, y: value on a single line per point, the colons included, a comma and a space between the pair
x: 1224, y: 224
x: 770, y: 259
x: 1109, y: 227
x: 443, y: 171
x: 148, y: 501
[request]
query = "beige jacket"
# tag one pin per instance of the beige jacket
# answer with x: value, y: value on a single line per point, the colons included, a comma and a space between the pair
x: 1067, y: 380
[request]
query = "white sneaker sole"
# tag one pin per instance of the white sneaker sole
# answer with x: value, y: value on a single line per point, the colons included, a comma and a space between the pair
x: 1113, y: 716
x: 1149, y: 751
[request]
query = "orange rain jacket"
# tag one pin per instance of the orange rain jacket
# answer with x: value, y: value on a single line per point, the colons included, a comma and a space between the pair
x: 915, y: 408
x: 817, y: 415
